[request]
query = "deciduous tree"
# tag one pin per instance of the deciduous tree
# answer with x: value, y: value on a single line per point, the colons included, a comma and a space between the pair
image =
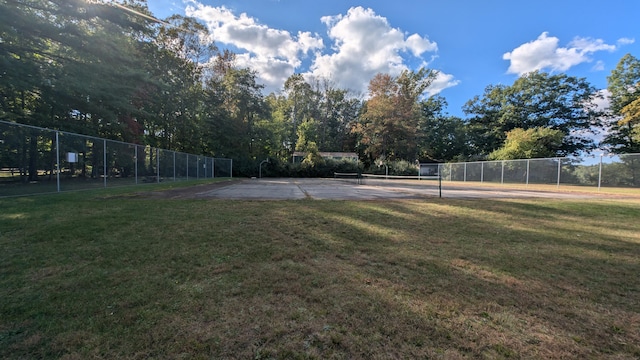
x: 440, y: 137
x: 532, y: 143
x: 624, y: 123
x: 537, y: 99
x: 389, y: 121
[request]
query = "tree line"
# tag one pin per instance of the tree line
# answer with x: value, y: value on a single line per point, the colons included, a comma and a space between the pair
x: 105, y: 70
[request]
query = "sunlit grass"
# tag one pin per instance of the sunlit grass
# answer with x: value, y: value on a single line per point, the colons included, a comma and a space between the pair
x: 103, y: 274
x: 631, y: 191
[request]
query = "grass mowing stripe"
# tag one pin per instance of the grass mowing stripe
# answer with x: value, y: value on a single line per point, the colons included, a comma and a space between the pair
x: 118, y: 276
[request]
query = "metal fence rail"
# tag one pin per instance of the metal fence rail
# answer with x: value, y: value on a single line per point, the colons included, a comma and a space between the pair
x: 38, y: 160
x: 602, y: 171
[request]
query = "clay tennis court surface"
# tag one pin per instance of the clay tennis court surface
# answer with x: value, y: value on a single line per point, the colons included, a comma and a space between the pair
x: 331, y: 189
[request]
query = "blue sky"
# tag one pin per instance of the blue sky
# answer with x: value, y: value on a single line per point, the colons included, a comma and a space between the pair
x: 471, y: 43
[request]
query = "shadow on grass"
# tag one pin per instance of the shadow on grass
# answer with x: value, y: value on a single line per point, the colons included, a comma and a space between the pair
x: 318, y: 279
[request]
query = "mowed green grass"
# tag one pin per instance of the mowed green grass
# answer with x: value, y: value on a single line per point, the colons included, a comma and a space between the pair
x: 108, y: 274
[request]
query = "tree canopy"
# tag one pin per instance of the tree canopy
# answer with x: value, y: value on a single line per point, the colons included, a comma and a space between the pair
x: 624, y: 123
x: 93, y: 68
x: 537, y: 142
x: 389, y: 121
x: 535, y: 100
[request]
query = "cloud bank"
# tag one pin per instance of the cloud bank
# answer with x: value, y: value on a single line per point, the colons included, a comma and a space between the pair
x: 274, y: 53
x: 362, y: 44
x: 544, y: 53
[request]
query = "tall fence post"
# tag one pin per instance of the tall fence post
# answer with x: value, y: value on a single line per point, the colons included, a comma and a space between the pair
x: 600, y: 173
x: 528, y: 172
x: 482, y: 172
x: 135, y: 161
x: 465, y: 172
x: 502, y: 174
x: 157, y: 165
x: 204, y: 167
x: 559, y: 169
x: 58, y: 160
x: 104, y: 161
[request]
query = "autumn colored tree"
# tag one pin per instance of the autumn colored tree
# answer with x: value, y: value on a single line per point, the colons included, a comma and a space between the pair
x: 624, y: 123
x: 389, y: 121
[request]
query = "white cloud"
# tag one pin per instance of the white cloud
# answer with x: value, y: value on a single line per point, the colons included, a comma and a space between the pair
x: 362, y: 44
x: 544, y: 53
x: 602, y: 100
x: 273, y: 53
x: 625, y: 41
x: 441, y: 82
x: 599, y: 66
x: 365, y: 44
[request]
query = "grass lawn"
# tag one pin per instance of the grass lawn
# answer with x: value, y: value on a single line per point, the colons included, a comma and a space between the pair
x: 105, y: 274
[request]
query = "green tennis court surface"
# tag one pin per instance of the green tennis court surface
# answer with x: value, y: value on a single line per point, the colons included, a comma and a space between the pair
x: 369, y: 189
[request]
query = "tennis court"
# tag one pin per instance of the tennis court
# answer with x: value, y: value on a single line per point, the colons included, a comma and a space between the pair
x: 366, y: 189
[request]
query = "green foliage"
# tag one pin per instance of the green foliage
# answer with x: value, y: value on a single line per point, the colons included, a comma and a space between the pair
x: 82, y: 59
x: 623, y: 82
x: 307, y: 133
x: 317, y: 168
x: 559, y: 102
x: 93, y: 68
x: 528, y: 144
x: 440, y: 137
x: 332, y: 110
x: 624, y: 87
x: 394, y: 167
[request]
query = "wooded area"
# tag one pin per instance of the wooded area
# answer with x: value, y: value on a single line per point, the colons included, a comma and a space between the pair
x: 103, y: 70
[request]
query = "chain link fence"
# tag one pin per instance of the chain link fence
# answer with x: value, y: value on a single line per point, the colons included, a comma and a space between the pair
x: 604, y: 170
x: 37, y: 160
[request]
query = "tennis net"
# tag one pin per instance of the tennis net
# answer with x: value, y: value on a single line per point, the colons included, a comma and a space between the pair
x: 398, y: 182
x: 373, y: 179
x: 402, y: 182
